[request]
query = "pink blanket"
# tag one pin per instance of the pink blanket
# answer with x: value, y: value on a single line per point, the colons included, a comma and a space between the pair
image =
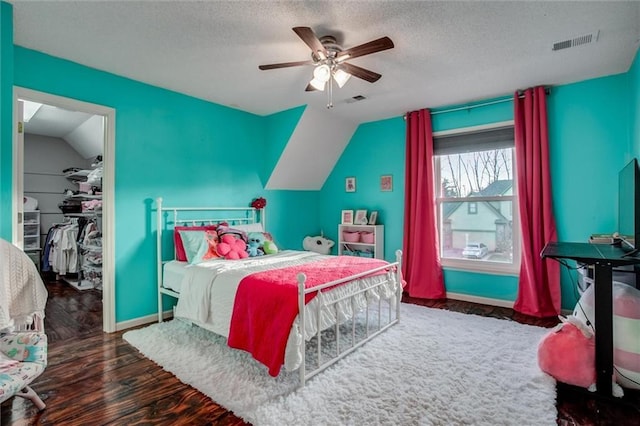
x: 266, y: 305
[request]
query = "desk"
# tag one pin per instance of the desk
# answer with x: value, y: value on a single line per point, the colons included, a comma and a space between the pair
x: 604, y: 257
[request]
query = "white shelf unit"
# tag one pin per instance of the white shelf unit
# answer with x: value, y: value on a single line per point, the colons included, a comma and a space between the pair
x: 31, y: 236
x: 31, y: 230
x: 359, y: 248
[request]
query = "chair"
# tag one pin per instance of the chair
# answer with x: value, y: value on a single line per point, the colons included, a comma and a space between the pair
x: 23, y: 343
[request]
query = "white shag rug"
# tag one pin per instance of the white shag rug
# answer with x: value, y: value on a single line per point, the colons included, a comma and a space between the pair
x: 435, y: 367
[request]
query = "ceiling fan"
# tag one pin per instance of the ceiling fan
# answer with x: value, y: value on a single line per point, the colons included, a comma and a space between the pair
x: 329, y: 60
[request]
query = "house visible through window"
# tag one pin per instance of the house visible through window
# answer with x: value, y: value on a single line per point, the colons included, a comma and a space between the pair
x: 476, y: 199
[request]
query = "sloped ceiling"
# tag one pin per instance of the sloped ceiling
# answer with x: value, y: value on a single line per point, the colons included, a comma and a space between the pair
x: 313, y: 150
x: 84, y: 132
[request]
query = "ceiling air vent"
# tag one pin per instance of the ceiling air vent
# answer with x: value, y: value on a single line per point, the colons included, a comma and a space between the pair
x: 576, y: 41
x: 355, y: 99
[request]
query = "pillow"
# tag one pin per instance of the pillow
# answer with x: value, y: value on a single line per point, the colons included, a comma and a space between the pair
x: 238, y: 233
x: 250, y: 227
x: 568, y: 354
x: 199, y: 245
x: 231, y: 247
x: 177, y: 238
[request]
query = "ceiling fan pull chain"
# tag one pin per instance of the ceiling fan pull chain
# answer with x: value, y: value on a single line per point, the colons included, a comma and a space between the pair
x: 330, y: 94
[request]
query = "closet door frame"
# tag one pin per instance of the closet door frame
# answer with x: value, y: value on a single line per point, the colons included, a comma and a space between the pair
x: 108, y: 185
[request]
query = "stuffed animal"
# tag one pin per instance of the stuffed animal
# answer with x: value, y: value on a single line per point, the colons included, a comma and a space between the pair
x: 256, y: 243
x: 231, y: 247
x: 318, y: 244
x: 568, y: 353
x: 269, y: 247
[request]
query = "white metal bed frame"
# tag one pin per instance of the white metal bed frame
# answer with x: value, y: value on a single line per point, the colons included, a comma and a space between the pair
x: 249, y: 215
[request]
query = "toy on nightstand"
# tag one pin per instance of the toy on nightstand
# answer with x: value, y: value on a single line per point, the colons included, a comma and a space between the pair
x: 319, y: 244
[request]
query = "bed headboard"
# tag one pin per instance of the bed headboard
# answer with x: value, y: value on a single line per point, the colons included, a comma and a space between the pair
x: 169, y: 217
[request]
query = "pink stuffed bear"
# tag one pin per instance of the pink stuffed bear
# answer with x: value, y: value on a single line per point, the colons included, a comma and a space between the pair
x: 568, y: 354
x: 231, y: 247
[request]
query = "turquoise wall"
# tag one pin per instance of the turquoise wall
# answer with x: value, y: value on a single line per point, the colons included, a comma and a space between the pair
x: 188, y: 151
x: 589, y: 144
x: 382, y: 144
x: 634, y: 107
x: 375, y: 149
x: 6, y: 118
x: 588, y: 132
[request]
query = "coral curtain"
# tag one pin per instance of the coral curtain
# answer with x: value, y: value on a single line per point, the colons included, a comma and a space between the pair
x: 539, y: 286
x: 421, y: 259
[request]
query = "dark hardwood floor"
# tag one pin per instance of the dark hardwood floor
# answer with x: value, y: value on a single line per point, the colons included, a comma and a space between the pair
x: 95, y: 378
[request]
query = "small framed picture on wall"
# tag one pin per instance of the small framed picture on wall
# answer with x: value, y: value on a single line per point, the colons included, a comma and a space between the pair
x: 386, y: 183
x: 361, y: 217
x: 350, y: 184
x: 373, y: 217
x: 347, y: 217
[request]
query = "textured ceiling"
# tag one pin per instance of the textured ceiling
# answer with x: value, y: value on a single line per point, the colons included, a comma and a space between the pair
x: 445, y: 52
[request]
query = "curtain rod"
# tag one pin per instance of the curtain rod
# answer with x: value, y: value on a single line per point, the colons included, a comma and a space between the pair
x: 497, y: 101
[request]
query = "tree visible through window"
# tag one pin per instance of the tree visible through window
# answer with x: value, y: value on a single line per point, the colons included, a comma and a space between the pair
x: 475, y: 198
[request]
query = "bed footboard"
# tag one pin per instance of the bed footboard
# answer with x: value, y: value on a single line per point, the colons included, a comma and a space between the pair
x: 393, y: 277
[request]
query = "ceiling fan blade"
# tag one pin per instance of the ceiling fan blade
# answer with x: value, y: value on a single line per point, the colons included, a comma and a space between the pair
x: 285, y: 65
x: 374, y: 46
x: 309, y: 37
x: 361, y: 73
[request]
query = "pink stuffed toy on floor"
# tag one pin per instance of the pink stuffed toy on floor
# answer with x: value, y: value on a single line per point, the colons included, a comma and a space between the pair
x: 568, y: 354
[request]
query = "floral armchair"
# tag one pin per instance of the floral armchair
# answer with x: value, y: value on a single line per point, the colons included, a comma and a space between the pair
x: 23, y: 343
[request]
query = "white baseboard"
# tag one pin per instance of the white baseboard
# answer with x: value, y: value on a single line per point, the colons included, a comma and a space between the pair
x: 142, y: 320
x: 481, y: 300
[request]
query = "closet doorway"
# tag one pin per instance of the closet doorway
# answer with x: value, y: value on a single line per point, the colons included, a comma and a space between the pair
x: 88, y: 197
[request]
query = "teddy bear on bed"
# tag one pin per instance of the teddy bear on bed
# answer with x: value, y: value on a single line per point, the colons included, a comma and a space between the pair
x: 255, y: 247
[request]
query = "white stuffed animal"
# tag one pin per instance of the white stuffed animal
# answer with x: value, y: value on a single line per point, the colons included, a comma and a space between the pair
x: 318, y: 244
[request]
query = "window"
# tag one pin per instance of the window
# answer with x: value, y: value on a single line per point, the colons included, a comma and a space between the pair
x: 476, y: 199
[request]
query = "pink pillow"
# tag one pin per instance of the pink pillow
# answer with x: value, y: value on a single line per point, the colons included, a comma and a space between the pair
x: 569, y: 356
x: 181, y: 255
x: 231, y: 247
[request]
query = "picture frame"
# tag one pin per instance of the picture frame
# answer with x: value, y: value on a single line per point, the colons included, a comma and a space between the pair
x: 350, y: 184
x: 361, y: 217
x: 386, y: 183
x: 347, y: 217
x: 373, y: 217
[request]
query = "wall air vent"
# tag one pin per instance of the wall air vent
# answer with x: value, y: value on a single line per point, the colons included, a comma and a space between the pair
x: 576, y: 41
x: 355, y: 99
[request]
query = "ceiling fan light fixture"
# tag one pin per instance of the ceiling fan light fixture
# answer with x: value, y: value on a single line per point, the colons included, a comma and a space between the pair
x: 317, y: 84
x: 322, y: 73
x: 341, y: 77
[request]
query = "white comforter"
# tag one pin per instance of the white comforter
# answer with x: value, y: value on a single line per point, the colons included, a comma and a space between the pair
x: 207, y: 294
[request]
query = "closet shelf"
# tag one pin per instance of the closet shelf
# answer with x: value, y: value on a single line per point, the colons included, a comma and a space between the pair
x: 84, y: 197
x: 80, y: 175
x: 83, y: 214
